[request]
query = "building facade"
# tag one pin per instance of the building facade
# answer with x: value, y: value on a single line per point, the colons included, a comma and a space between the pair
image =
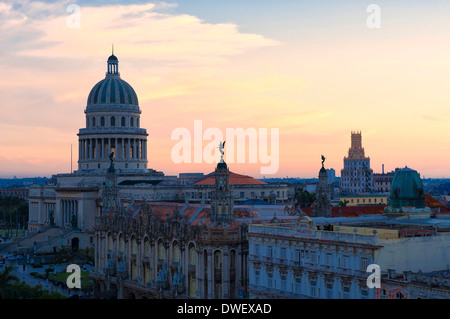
x: 323, y: 257
x: 167, y: 250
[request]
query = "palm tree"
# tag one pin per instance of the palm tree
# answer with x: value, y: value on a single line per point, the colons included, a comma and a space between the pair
x: 343, y: 203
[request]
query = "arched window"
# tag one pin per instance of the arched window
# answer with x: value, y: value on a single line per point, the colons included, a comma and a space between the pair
x: 161, y: 251
x: 132, y: 121
x: 121, y: 244
x: 93, y: 121
x: 113, y: 121
x: 137, y: 122
x: 192, y: 255
x: 122, y: 121
x: 146, y: 248
x: 102, y: 121
x: 176, y: 253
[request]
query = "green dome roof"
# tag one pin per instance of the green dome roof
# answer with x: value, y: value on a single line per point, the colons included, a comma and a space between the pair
x: 407, y: 189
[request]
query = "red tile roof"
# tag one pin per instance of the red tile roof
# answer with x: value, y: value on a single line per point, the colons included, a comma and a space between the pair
x: 430, y: 201
x: 235, y: 179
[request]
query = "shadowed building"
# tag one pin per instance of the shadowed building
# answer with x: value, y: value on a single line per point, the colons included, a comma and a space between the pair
x: 171, y: 250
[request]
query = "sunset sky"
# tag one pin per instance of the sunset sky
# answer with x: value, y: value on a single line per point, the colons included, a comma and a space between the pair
x: 312, y: 69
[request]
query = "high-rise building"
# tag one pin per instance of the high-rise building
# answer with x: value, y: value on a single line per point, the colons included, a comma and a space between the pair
x: 356, y: 176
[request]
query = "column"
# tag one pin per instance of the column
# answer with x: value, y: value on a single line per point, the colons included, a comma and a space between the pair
x: 238, y: 267
x: 96, y: 149
x: 63, y: 212
x: 144, y: 149
x: 210, y: 293
x: 138, y: 148
x: 135, y: 149
x: 102, y: 155
x: 109, y: 146
x: 122, y: 156
x: 225, y: 273
x: 79, y: 149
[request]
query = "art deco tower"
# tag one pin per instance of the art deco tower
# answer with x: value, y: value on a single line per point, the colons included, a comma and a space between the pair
x: 356, y: 176
x: 112, y: 126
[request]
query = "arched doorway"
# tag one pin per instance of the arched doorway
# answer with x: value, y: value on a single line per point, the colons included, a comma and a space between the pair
x: 75, y: 243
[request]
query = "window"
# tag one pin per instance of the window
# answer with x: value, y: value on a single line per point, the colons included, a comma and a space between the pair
x: 270, y: 279
x: 364, y: 293
x: 283, y: 253
x: 283, y: 281
x: 383, y: 294
x: 132, y: 121
x: 102, y: 121
x: 312, y: 287
x: 364, y: 263
x: 346, y: 289
x: 346, y: 262
x: 122, y: 121
x: 269, y: 251
x: 242, y: 194
x: 257, y: 250
x: 329, y: 258
x: 329, y: 286
x: 93, y: 121
x: 399, y: 295
x: 256, y: 277
x: 298, y: 285
x: 113, y: 121
x: 312, y: 257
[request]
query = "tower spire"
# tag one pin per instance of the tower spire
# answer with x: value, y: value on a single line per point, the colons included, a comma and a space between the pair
x: 113, y: 63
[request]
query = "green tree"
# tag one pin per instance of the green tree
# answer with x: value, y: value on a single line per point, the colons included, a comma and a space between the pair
x: 7, y: 281
x: 303, y: 197
x: 343, y: 203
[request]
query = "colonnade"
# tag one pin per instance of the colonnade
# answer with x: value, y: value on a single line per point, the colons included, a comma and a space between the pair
x: 123, y: 148
x: 67, y: 207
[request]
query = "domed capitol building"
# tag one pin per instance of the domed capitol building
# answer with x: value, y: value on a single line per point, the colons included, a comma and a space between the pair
x: 63, y: 213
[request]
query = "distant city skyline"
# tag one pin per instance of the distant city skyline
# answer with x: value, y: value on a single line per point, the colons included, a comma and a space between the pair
x: 314, y: 70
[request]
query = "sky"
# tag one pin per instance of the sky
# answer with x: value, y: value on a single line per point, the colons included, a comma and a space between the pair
x: 313, y: 70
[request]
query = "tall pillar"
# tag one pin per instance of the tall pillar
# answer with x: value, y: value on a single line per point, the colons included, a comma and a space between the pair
x: 102, y: 155
x: 122, y: 154
x: 79, y: 149
x: 238, y: 267
x: 225, y: 273
x: 109, y: 146
x: 91, y: 149
x: 210, y: 271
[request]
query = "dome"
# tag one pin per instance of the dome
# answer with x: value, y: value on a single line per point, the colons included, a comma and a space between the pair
x: 113, y: 58
x: 112, y: 90
x: 222, y: 165
x: 407, y: 189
